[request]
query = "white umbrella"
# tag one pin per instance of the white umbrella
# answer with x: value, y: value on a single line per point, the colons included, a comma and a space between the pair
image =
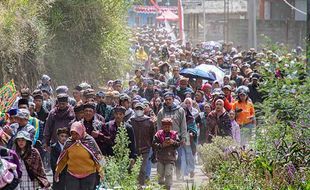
x: 218, y: 72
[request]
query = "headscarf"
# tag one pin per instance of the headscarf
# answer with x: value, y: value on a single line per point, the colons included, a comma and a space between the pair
x: 223, y: 109
x: 87, y: 141
x: 79, y: 128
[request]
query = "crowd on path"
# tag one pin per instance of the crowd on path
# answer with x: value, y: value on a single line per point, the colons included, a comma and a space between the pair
x: 165, y: 115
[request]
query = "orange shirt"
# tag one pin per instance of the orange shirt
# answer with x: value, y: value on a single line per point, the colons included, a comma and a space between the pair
x: 247, y: 113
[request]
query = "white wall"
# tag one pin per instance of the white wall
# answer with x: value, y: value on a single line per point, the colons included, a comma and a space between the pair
x: 301, y: 5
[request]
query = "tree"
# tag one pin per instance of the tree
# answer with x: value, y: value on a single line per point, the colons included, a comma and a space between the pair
x: 71, y: 40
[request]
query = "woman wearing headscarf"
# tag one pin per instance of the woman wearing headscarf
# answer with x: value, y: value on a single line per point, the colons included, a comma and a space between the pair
x: 83, y: 159
x: 33, y: 174
x: 188, y: 103
x: 245, y: 114
x: 219, y: 122
x: 203, y: 124
x: 191, y: 144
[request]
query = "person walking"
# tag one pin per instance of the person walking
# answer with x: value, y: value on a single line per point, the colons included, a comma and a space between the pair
x: 33, y: 173
x: 144, y: 131
x: 165, y: 142
x: 82, y: 158
x: 245, y: 114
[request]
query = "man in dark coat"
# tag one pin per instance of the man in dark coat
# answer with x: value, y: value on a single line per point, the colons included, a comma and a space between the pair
x: 109, y: 133
x: 144, y: 131
x: 254, y: 94
x: 61, y: 116
x: 102, y: 108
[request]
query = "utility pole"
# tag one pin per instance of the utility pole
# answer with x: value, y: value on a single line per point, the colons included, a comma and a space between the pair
x: 252, y: 38
x: 226, y: 20
x: 308, y: 36
x: 204, y: 20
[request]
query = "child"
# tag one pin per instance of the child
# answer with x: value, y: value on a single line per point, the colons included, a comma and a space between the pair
x: 56, y: 149
x: 235, y: 129
x: 165, y: 142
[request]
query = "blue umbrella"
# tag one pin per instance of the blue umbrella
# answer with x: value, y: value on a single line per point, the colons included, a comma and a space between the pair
x: 197, y: 73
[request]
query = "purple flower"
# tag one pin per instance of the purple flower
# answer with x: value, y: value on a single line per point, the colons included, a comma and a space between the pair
x: 292, y: 124
x: 277, y: 143
x: 291, y: 170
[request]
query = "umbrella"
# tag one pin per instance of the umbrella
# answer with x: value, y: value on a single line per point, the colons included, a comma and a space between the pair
x: 219, y: 73
x: 197, y: 73
x: 167, y: 15
x: 210, y: 45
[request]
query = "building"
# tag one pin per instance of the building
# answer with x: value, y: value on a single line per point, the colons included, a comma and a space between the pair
x: 279, y: 10
x: 145, y: 13
x: 227, y: 20
x: 206, y: 20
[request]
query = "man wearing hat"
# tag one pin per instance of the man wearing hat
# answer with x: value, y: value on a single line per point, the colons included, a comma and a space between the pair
x: 46, y: 84
x: 38, y: 125
x: 235, y: 75
x: 124, y: 100
x: 183, y: 89
x: 175, y: 80
x: 60, y: 116
x: 117, y: 86
x: 22, y: 118
x: 110, y: 131
x: 254, y: 94
x: 79, y: 111
x: 166, y: 141
x: 24, y: 94
x: 149, y: 90
x: 102, y: 108
x: 177, y: 113
x: 144, y: 131
x: 64, y: 90
x: 77, y: 93
x: 89, y: 95
x: 39, y: 109
x: 108, y: 99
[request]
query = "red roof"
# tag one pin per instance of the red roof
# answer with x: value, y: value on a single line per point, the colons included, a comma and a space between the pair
x: 153, y: 10
x: 168, y: 15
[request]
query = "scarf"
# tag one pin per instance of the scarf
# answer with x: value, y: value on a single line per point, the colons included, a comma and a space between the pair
x: 88, y: 143
x: 34, y: 167
x: 171, y: 108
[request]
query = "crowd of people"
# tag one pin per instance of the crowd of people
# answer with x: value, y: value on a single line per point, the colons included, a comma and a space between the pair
x: 165, y: 115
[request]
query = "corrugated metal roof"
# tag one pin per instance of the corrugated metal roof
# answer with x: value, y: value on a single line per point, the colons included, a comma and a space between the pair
x: 215, y: 6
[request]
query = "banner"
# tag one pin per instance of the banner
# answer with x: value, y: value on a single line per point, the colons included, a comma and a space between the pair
x: 8, y: 96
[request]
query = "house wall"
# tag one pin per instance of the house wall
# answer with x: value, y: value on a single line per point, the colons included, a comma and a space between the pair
x: 290, y: 32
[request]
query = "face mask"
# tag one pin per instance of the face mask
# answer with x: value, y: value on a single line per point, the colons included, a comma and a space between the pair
x: 139, y: 113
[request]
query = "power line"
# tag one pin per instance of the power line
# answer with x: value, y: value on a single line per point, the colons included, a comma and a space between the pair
x: 302, y: 12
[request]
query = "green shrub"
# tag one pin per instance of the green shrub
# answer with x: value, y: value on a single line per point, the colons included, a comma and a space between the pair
x: 281, y: 158
x: 213, y: 154
x: 118, y: 170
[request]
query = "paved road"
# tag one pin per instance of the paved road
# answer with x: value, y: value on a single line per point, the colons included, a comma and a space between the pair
x: 198, y: 179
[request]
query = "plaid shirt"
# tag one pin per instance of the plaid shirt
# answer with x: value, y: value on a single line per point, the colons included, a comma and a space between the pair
x: 26, y: 183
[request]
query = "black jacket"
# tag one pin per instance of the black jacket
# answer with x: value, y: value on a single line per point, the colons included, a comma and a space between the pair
x: 55, y: 152
x: 109, y: 133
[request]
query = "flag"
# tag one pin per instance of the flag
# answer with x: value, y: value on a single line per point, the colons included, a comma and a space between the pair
x: 181, y: 21
x: 154, y: 3
x: 8, y: 96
